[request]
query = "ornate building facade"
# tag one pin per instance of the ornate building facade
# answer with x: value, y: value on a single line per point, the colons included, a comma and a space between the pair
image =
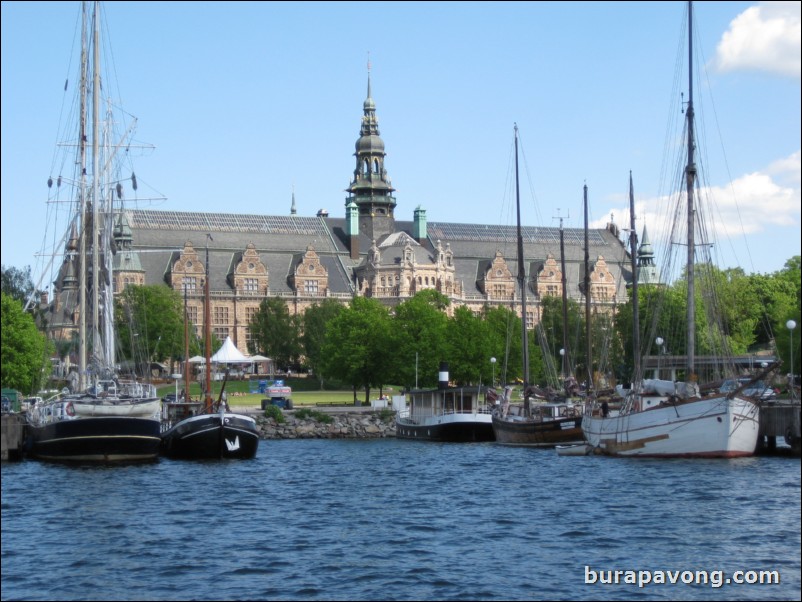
x: 368, y: 252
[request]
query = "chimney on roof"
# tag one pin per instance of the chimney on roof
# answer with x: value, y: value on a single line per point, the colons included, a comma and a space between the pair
x: 352, y: 228
x: 419, y: 228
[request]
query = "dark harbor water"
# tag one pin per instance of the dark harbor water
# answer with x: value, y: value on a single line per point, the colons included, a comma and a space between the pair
x: 401, y: 520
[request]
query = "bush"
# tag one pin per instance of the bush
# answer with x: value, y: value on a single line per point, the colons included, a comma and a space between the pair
x: 275, y: 413
x: 386, y: 415
x: 306, y: 413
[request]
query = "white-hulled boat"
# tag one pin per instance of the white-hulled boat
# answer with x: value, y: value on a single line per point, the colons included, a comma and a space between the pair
x: 673, y: 419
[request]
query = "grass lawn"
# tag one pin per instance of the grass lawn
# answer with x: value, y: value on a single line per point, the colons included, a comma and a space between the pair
x: 239, y: 395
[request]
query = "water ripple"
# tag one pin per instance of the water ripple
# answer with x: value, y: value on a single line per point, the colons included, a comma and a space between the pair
x: 395, y: 520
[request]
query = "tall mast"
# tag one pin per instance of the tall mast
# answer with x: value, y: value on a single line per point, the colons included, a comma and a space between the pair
x: 588, y: 331
x: 690, y: 177
x: 522, y: 281
x: 96, y: 340
x: 564, y: 359
x: 82, y: 346
x: 633, y: 249
x: 186, y: 343
x: 208, y: 331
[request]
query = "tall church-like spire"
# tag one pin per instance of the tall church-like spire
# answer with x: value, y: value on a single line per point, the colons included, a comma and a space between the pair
x: 648, y: 273
x: 370, y: 187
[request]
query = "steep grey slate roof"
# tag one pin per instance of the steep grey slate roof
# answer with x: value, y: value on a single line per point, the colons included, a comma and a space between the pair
x: 159, y: 236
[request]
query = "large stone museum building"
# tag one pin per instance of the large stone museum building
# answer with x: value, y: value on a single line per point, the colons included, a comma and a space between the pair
x: 367, y: 250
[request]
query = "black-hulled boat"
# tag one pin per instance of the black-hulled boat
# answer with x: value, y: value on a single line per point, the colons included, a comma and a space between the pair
x: 205, y: 430
x: 547, y: 424
x: 56, y: 433
x: 458, y: 414
x: 209, y: 436
x: 103, y: 419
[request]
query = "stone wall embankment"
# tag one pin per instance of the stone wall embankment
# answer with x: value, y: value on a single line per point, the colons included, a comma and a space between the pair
x: 361, y: 425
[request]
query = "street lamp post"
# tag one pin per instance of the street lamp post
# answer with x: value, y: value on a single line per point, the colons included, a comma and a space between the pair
x: 177, y: 377
x: 791, y: 325
x: 659, y: 341
x: 493, y: 363
x: 563, y: 373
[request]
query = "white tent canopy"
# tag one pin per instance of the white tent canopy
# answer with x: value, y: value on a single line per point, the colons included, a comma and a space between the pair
x: 229, y: 354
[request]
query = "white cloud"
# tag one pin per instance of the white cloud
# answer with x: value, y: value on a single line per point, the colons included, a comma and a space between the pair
x: 788, y: 170
x: 766, y: 37
x: 755, y: 203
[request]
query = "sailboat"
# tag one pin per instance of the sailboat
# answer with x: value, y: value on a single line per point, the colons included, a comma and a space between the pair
x: 102, y: 419
x: 666, y: 418
x: 207, y: 431
x: 545, y: 424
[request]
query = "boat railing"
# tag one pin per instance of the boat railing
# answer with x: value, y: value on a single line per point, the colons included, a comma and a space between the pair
x: 423, y: 413
x: 48, y: 412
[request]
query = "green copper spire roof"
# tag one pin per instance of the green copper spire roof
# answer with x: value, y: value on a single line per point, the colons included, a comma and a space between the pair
x: 370, y: 177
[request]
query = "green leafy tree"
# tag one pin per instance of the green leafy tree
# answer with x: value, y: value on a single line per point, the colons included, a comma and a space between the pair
x: 24, y: 359
x: 789, y: 307
x: 17, y: 283
x: 503, y: 342
x: 468, y: 342
x: 276, y: 334
x: 357, y: 348
x: 554, y: 327
x: 419, y: 339
x: 737, y: 301
x: 149, y: 323
x: 315, y: 321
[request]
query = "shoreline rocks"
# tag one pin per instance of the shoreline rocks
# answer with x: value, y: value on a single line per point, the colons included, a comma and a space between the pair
x: 355, y: 425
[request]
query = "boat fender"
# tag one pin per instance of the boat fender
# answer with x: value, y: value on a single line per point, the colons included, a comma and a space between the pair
x: 70, y: 410
x: 636, y: 405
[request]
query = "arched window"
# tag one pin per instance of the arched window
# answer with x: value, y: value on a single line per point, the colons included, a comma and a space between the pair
x: 375, y: 166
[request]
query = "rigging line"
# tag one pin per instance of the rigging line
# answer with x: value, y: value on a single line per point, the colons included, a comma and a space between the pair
x: 708, y: 189
x: 673, y: 123
x: 61, y: 120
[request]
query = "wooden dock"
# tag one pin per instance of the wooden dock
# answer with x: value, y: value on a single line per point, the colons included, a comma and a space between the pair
x: 780, y: 419
x: 13, y: 436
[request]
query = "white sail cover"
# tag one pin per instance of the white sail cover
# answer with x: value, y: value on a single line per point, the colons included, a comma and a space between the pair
x: 669, y: 387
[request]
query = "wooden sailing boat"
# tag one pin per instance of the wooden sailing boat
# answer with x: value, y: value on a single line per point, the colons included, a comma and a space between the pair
x: 666, y: 418
x: 103, y: 419
x: 550, y: 423
x: 207, y: 430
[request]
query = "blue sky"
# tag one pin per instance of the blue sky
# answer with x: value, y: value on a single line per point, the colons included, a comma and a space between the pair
x: 247, y: 101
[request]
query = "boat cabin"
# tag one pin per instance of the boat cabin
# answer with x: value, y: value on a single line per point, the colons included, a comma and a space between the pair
x: 453, y: 400
x: 546, y: 411
x: 174, y: 412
